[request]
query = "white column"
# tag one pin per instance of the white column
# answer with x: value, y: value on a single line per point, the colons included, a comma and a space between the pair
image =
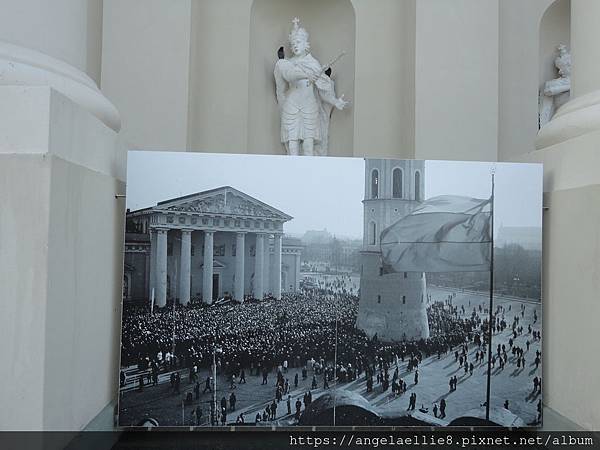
x: 161, y: 268
x: 56, y: 44
x: 276, y: 274
x: 240, y: 253
x: 267, y: 266
x: 259, y: 266
x: 152, y: 284
x: 185, y: 267
x: 585, y: 48
x: 297, y: 275
x: 207, y: 272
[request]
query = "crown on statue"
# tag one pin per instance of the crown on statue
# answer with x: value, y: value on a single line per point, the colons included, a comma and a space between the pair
x: 298, y: 31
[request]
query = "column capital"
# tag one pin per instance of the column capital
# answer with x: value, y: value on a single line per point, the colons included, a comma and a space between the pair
x: 187, y: 230
x: 209, y: 231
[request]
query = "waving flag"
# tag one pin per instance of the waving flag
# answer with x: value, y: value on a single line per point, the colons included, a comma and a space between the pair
x: 445, y: 234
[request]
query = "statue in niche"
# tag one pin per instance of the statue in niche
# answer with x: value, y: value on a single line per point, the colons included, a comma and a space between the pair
x: 557, y: 91
x: 306, y: 97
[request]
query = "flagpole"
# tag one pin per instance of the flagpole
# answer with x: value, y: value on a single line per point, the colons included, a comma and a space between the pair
x: 489, y: 369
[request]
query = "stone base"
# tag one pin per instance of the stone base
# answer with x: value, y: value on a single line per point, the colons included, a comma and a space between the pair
x: 61, y: 232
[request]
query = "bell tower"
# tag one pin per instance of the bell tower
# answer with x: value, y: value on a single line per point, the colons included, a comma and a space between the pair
x: 393, y: 306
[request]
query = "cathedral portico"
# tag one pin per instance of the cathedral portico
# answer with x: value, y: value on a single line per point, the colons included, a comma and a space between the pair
x: 214, y: 244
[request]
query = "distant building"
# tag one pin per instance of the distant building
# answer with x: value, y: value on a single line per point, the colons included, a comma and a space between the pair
x: 530, y: 238
x: 317, y: 237
x: 393, y: 306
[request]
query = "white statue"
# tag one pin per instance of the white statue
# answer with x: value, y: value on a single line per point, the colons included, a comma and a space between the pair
x: 306, y: 97
x: 557, y: 91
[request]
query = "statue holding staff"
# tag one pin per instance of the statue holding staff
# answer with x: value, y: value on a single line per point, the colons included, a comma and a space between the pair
x: 306, y: 97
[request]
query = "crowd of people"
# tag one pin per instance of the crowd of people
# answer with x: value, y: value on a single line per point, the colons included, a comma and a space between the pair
x: 299, y: 327
x: 299, y: 331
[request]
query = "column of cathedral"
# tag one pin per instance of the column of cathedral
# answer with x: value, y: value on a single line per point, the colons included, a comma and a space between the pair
x: 161, y: 267
x: 186, y: 264
x: 240, y: 253
x: 259, y: 266
x: 276, y: 274
x: 152, y: 287
x: 207, y: 273
x: 263, y: 272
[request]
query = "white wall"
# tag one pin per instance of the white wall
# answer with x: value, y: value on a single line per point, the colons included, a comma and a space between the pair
x: 384, y: 81
x: 218, y: 103
x: 145, y: 69
x: 518, y: 76
x: 457, y: 79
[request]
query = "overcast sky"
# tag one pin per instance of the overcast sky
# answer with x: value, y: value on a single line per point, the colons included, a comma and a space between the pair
x: 324, y: 192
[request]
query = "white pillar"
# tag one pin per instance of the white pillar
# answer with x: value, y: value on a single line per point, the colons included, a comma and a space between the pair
x: 240, y: 253
x: 276, y: 275
x: 161, y: 267
x: 585, y: 48
x: 297, y: 274
x: 186, y: 262
x: 259, y: 266
x: 267, y: 266
x: 56, y: 44
x: 152, y: 284
x: 207, y: 272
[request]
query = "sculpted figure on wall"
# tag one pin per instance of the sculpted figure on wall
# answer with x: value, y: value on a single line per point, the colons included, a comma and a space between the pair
x: 306, y: 97
x: 557, y: 91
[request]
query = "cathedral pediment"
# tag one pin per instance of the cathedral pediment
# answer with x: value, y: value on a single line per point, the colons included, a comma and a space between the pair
x: 225, y: 200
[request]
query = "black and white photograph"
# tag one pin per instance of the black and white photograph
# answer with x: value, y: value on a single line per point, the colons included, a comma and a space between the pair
x: 281, y: 291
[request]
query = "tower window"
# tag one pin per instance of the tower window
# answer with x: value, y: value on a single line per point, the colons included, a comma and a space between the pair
x: 379, y: 299
x: 405, y: 275
x: 418, y: 186
x: 397, y: 183
x: 375, y: 184
x: 404, y: 299
x: 372, y: 233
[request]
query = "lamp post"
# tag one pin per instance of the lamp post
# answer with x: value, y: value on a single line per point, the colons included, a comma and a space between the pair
x: 215, y: 351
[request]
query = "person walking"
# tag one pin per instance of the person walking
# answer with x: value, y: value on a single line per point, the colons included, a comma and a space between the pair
x: 207, y: 386
x: 442, y: 408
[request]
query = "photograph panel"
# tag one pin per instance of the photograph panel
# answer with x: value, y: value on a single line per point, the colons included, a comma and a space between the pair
x: 341, y: 291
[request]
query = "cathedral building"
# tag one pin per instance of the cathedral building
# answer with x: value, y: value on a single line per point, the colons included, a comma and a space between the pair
x: 220, y: 243
x: 392, y: 305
